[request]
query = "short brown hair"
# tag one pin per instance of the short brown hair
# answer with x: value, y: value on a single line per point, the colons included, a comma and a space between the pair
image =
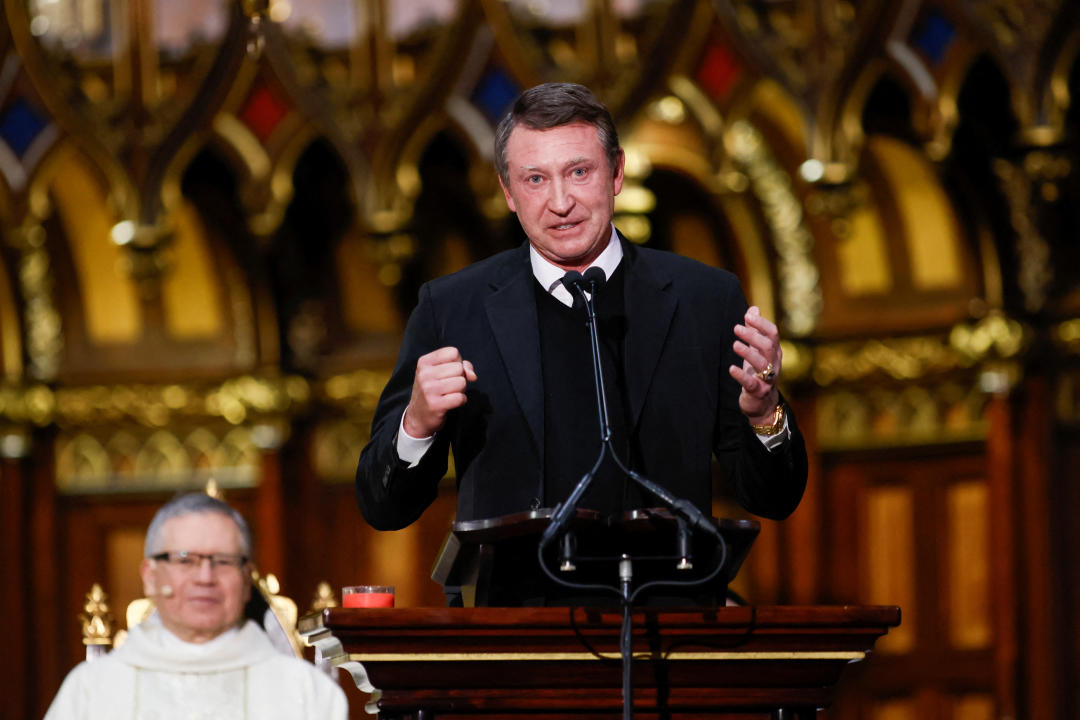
x: 552, y: 105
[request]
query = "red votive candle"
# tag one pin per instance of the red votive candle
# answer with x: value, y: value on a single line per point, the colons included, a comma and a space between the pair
x: 356, y: 596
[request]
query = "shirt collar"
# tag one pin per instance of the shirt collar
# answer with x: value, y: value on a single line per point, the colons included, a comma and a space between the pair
x: 549, y: 275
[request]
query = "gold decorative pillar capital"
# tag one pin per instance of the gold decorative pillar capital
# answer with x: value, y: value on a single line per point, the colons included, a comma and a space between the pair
x: 146, y: 260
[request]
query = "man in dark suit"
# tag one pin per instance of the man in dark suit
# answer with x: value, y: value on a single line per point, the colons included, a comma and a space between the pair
x: 496, y: 362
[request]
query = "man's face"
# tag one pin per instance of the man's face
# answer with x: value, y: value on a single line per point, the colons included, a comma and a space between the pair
x: 563, y: 191
x: 205, y: 601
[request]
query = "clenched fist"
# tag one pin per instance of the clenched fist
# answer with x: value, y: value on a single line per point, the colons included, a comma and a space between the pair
x: 438, y: 387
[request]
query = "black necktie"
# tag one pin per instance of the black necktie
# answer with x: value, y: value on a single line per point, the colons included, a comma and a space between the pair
x: 571, y: 281
x: 579, y: 302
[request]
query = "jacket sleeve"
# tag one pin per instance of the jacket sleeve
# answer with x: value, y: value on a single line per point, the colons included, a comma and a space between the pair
x: 769, y: 483
x: 390, y: 494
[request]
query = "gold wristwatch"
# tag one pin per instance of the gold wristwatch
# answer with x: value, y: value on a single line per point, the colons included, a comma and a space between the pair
x: 777, y: 423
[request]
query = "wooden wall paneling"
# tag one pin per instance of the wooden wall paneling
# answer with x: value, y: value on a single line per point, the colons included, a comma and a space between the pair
x: 962, y: 615
x: 803, y: 550
x: 46, y: 654
x: 762, y: 566
x: 348, y: 540
x: 432, y: 532
x: 892, y: 558
x: 1068, y: 477
x: 886, y: 541
x: 82, y: 562
x: 1000, y: 457
x: 348, y: 537
x: 895, y: 709
x: 965, y: 566
x: 843, y: 533
x: 973, y: 706
x: 841, y: 530
x: 1041, y: 650
x: 309, y: 553
x: 269, y: 515
x: 955, y: 653
x: 14, y: 577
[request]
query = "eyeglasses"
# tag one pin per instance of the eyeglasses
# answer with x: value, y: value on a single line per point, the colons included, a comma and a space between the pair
x: 192, y: 560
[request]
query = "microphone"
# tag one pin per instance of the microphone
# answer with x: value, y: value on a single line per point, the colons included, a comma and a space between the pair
x: 564, y: 510
x: 571, y: 280
x: 593, y: 279
x: 167, y: 591
x: 681, y: 506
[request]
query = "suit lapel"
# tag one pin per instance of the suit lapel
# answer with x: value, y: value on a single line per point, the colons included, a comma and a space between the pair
x: 511, y: 310
x: 650, y: 307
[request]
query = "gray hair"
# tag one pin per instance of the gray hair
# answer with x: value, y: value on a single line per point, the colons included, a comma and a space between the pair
x: 193, y: 504
x: 552, y: 105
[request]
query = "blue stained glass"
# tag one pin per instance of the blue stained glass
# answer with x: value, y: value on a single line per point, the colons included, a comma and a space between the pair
x: 933, y: 35
x: 494, y: 93
x: 19, y: 125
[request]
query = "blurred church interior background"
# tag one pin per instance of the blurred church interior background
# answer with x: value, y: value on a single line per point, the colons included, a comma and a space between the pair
x: 215, y: 216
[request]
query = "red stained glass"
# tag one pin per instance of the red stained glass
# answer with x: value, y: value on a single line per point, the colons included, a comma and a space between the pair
x: 263, y: 111
x: 718, y: 72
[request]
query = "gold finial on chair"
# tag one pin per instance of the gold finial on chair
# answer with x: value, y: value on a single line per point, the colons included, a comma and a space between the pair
x: 324, y: 597
x: 283, y: 608
x: 97, y: 621
x: 214, y: 490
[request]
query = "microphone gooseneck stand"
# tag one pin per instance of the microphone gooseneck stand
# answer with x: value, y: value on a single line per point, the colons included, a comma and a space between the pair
x: 687, y: 512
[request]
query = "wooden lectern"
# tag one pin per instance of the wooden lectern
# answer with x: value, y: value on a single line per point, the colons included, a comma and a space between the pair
x: 701, y: 659
x: 766, y: 663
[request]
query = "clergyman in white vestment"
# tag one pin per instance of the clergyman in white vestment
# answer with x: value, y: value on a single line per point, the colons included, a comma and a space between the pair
x: 197, y: 657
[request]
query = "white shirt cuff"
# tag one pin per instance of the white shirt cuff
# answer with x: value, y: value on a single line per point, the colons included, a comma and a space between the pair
x: 771, y: 442
x: 411, y: 449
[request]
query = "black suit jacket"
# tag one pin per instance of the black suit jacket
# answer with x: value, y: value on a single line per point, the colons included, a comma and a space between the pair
x: 682, y: 402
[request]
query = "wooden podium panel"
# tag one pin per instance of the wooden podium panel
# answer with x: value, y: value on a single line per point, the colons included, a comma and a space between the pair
x: 724, y: 662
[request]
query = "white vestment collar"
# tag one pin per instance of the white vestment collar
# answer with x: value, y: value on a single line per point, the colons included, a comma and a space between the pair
x: 150, y: 646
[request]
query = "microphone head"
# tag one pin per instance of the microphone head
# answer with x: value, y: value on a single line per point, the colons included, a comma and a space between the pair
x: 595, y: 278
x: 571, y: 280
x: 167, y: 591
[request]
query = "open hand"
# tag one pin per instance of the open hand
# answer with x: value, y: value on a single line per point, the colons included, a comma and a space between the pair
x: 758, y: 345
